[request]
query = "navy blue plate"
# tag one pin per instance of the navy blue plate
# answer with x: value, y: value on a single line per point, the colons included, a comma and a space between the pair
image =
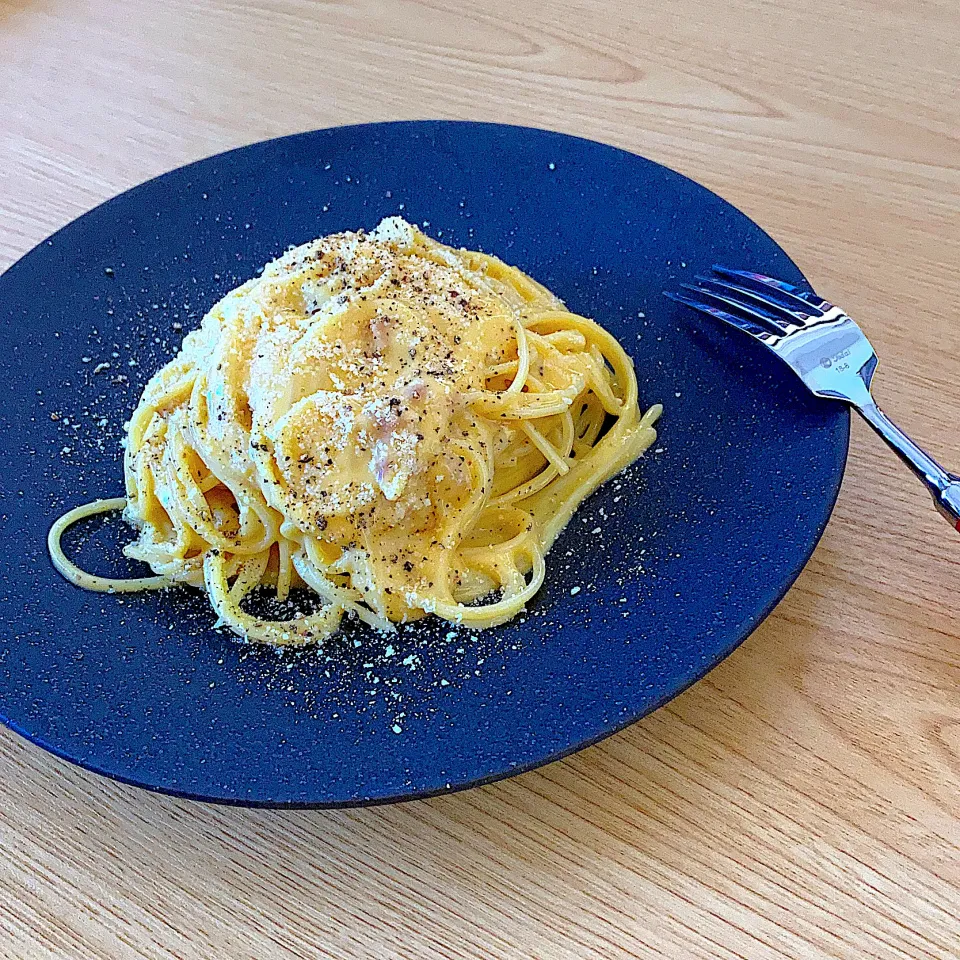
x: 659, y: 576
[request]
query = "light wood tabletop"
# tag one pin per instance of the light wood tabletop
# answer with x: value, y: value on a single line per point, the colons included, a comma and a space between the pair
x: 803, y: 800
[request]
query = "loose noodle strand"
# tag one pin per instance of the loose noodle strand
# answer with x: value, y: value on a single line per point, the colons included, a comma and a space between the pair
x: 228, y: 497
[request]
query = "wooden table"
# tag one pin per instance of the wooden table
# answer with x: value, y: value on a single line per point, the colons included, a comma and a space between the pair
x: 800, y: 802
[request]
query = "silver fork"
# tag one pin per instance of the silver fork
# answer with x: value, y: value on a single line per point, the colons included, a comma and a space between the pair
x: 825, y: 348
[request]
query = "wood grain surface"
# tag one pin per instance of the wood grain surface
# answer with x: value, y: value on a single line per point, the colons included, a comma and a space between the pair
x: 801, y: 802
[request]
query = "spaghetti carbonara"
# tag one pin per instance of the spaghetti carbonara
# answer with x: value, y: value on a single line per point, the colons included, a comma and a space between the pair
x: 402, y: 427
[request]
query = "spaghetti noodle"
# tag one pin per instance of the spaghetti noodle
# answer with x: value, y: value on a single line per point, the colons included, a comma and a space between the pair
x: 402, y: 427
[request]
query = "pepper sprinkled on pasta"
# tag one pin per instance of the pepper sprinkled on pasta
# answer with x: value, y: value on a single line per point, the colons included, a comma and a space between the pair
x: 402, y: 427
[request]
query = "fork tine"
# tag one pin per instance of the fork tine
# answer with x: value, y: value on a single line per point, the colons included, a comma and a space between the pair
x: 741, y: 323
x: 771, y: 308
x: 763, y: 316
x: 790, y: 296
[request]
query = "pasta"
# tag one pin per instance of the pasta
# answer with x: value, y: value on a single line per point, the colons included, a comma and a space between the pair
x: 402, y: 427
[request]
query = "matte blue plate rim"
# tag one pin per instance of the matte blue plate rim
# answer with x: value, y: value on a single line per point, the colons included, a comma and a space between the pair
x: 466, y: 785
x: 671, y: 693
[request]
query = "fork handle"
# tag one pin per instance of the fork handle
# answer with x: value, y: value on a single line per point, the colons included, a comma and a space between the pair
x: 944, y: 486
